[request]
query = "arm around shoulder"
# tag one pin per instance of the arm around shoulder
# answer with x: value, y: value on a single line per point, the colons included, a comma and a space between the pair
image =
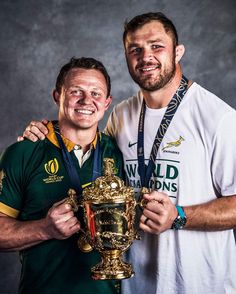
x: 36, y: 130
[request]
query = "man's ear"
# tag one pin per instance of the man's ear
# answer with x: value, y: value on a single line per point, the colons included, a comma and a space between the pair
x: 108, y: 102
x: 179, y: 52
x: 56, y: 96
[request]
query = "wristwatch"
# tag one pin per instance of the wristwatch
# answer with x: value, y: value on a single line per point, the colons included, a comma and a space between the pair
x: 180, y: 220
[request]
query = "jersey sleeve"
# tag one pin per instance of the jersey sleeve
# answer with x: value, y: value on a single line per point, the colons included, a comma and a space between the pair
x: 224, y: 156
x: 11, y: 181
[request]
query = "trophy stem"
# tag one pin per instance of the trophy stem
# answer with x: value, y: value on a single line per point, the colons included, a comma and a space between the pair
x: 112, y: 267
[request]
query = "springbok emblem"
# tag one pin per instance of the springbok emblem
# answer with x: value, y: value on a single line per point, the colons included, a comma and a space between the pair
x: 173, y: 144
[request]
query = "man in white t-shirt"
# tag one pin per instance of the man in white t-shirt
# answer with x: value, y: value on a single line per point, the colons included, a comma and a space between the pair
x: 195, y: 169
x: 187, y: 244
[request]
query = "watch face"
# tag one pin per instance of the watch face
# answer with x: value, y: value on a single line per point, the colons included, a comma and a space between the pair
x: 179, y: 223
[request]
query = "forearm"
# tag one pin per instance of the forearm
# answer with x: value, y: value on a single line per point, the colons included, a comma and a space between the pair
x: 17, y: 235
x: 216, y: 215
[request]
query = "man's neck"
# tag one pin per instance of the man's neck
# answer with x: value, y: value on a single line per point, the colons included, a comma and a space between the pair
x: 82, y: 137
x: 161, y: 98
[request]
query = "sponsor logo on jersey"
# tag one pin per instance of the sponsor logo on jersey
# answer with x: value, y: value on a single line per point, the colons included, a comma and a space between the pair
x: 176, y: 143
x: 52, y: 168
x: 2, y: 176
x: 132, y: 144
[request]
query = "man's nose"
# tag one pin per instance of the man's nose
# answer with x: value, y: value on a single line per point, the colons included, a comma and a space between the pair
x: 86, y: 99
x: 146, y: 54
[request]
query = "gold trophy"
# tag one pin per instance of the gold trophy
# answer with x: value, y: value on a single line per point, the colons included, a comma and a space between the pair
x: 109, y: 214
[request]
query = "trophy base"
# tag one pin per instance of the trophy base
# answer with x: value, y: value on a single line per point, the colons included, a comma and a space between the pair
x: 112, y: 267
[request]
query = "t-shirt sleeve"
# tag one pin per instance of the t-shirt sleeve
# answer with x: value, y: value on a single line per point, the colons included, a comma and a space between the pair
x: 11, y: 182
x: 224, y: 156
x: 111, y: 125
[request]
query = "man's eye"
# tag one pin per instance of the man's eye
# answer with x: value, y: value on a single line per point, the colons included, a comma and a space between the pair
x: 95, y: 94
x: 76, y: 92
x: 135, y: 50
x: 155, y: 46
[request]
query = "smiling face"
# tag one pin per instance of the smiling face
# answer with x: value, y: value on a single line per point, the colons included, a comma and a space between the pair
x: 151, y: 56
x: 83, y: 99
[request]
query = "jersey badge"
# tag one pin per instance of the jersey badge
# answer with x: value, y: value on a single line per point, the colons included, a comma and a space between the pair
x: 52, y: 168
x: 173, y: 144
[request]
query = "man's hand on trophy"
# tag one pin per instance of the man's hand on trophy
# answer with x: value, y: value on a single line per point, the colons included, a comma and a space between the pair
x: 35, y: 131
x: 61, y: 221
x: 158, y: 214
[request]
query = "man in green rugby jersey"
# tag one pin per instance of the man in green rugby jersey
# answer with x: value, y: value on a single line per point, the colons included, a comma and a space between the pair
x: 34, y: 181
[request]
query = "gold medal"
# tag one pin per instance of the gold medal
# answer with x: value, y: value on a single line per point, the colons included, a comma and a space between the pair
x: 83, y: 244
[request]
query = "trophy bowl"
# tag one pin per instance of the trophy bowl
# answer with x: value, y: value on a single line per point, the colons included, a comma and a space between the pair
x: 109, y: 215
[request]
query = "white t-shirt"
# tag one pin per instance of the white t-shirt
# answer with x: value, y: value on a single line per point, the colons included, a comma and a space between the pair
x: 196, y: 163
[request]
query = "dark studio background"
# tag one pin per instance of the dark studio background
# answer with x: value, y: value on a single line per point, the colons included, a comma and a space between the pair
x: 38, y: 37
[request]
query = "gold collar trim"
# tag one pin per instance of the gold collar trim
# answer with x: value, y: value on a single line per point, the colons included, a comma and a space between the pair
x: 69, y: 144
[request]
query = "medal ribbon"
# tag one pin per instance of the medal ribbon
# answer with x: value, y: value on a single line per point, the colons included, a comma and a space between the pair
x: 70, y: 166
x: 145, y: 173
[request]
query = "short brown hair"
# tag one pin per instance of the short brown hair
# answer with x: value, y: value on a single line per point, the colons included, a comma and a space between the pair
x: 86, y: 63
x: 140, y: 20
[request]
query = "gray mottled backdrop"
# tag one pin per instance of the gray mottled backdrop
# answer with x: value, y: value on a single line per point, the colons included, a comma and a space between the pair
x: 38, y: 37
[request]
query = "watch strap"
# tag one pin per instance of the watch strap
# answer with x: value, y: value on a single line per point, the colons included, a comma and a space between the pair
x: 180, y: 220
x: 180, y: 211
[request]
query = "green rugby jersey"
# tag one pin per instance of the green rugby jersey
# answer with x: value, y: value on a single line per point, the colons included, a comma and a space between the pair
x: 32, y: 178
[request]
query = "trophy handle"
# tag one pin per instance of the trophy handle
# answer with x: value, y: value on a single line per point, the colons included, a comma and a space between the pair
x: 142, y: 203
x: 72, y: 200
x: 82, y: 242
